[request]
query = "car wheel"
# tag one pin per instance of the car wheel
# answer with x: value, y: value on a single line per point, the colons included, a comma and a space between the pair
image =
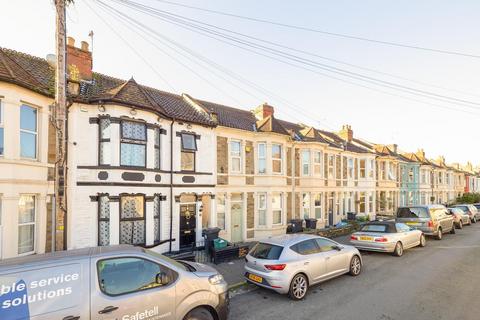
x: 355, y: 266
x: 199, y: 314
x: 460, y: 225
x: 298, y: 287
x: 423, y: 241
x: 474, y: 220
x: 439, y: 234
x: 398, y: 252
x: 453, y: 229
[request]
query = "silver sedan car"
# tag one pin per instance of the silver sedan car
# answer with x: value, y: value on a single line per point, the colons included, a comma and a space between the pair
x: 292, y: 263
x: 387, y: 236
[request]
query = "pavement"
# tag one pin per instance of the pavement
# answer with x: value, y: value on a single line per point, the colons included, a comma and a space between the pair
x: 440, y: 281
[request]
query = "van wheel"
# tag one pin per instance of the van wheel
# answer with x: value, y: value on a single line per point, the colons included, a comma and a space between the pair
x: 298, y: 287
x: 423, y: 241
x: 439, y: 235
x: 199, y: 314
x: 398, y: 252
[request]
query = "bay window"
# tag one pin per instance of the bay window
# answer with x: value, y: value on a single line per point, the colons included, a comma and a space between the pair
x: 370, y: 202
x: 28, y: 132
x: 317, y: 163
x: 133, y: 144
x: 276, y: 158
x: 350, y: 168
x: 305, y: 162
x: 371, y: 172
x: 262, y: 209
x: 132, y: 219
x: 362, y: 202
x: 26, y: 224
x: 262, y: 158
x: 317, y: 203
x: 277, y: 208
x: 236, y: 156
x: 189, y: 147
x: 104, y: 152
x: 363, y: 168
x: 306, y: 205
x: 331, y: 166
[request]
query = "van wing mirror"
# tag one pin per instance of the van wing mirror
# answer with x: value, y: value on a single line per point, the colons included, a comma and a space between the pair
x: 162, y: 278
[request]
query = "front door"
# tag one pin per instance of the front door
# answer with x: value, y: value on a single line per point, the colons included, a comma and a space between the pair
x: 188, y: 223
x: 236, y: 214
x: 128, y: 288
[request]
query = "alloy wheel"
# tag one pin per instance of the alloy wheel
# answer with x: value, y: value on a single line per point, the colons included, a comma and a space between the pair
x: 355, y: 266
x: 299, y: 287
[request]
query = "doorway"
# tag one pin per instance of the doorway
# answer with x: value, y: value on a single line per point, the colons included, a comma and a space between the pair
x: 236, y: 214
x: 188, y: 224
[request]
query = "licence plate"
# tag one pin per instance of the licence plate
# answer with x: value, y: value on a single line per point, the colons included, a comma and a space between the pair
x: 413, y: 223
x: 255, y: 278
x: 366, y: 238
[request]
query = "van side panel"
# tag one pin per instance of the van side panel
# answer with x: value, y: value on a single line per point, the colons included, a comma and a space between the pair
x: 46, y: 291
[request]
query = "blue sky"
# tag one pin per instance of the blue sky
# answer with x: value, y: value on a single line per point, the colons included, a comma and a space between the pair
x: 329, y: 103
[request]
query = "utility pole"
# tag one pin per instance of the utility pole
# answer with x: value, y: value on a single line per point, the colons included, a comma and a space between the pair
x: 59, y: 115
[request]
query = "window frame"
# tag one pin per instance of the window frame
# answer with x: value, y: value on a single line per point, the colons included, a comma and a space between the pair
x: 351, y: 168
x: 264, y: 209
x: 331, y: 166
x: 100, y: 219
x: 120, y: 219
x: 315, y: 207
x: 362, y: 171
x: 34, y: 223
x: 318, y: 165
x: 217, y: 197
x: 135, y: 142
x: 280, y: 195
x: 306, y: 195
x: 103, y: 141
x: 277, y: 159
x: 35, y: 133
x: 239, y: 156
x: 364, y: 202
x: 157, y: 143
x: 156, y: 215
x: 306, y: 163
x: 262, y: 158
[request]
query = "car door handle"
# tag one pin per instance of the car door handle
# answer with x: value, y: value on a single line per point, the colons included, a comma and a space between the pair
x: 306, y: 263
x: 71, y: 318
x: 108, y: 309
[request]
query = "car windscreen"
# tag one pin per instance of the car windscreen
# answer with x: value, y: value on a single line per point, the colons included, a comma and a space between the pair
x: 374, y: 228
x: 477, y: 206
x: 266, y: 251
x: 413, y: 212
x: 463, y: 208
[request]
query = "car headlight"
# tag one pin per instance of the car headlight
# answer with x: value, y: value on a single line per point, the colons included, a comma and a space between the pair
x: 216, y: 279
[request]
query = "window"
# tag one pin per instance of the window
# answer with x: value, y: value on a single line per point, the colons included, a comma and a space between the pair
x: 370, y: 202
x: 317, y: 163
x: 331, y: 166
x: 371, y: 172
x: 362, y: 202
x: 266, y: 251
x: 306, y: 206
x: 28, y: 132
x: 220, y: 210
x: 392, y: 171
x: 26, y: 224
x: 1, y: 130
x: 382, y: 170
x: 350, y: 168
x: 103, y: 220
x: 305, y: 162
x: 262, y: 158
x: 318, y: 206
x: 411, y: 175
x: 413, y: 212
x: 277, y: 208
x: 157, y: 213
x: 120, y: 276
x: 277, y: 158
x: 325, y: 245
x: 262, y: 209
x: 189, y: 146
x: 236, y: 156
x: 363, y: 168
x: 156, y: 147
x: 132, y: 219
x: 104, y: 151
x: 306, y: 247
x: 133, y: 144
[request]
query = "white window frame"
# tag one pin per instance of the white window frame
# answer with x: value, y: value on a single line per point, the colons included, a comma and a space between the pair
x: 34, y: 223
x: 31, y: 132
x: 277, y: 159
x: 305, y: 207
x: 364, y: 202
x: 317, y: 166
x: 104, y: 141
x: 260, y: 158
x: 217, y: 199
x: 350, y: 168
x: 331, y: 166
x: 306, y: 164
x: 315, y: 207
x: 261, y: 209
x: 280, y: 195
x: 371, y: 171
x: 364, y: 176
x: 239, y: 156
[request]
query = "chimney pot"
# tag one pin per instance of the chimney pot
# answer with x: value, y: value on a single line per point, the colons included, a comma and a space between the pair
x: 71, y: 41
x: 263, y: 111
x: 79, y: 61
x: 346, y: 133
x: 84, y: 45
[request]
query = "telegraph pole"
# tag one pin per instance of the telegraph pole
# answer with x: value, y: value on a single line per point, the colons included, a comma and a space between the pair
x: 59, y: 115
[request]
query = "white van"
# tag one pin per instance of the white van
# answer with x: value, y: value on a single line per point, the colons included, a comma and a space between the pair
x: 115, y: 282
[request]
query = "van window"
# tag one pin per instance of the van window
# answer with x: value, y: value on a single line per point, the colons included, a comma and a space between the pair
x: 413, y: 212
x: 306, y: 247
x: 119, y: 276
x: 266, y: 251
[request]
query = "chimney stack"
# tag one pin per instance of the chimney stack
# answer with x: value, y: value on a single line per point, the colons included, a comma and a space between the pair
x: 394, y: 147
x: 79, y: 61
x: 263, y: 111
x: 346, y: 133
x: 421, y: 154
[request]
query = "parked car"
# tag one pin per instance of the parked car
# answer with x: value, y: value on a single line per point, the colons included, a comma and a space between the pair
x: 387, y: 236
x: 432, y: 220
x: 115, y: 282
x: 460, y: 217
x: 471, y: 210
x: 289, y: 264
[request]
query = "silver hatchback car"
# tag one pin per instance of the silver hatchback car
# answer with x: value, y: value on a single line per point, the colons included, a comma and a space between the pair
x: 292, y: 263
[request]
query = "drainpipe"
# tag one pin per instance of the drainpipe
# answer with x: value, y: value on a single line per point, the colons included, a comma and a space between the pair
x: 171, y: 184
x: 294, y: 196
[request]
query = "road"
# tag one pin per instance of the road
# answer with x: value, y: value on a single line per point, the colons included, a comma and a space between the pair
x: 440, y: 281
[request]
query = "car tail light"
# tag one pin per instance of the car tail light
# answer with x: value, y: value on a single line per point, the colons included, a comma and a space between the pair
x: 352, y: 237
x: 275, y: 267
x: 382, y: 239
x: 430, y: 223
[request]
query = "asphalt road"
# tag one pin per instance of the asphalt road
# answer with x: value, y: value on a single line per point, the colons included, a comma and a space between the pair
x: 440, y: 281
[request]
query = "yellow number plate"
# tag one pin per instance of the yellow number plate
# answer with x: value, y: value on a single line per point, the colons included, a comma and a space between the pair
x: 413, y: 223
x: 366, y: 238
x: 255, y: 278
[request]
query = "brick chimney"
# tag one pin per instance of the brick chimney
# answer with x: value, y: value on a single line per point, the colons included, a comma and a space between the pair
x: 79, y: 61
x: 346, y: 133
x: 394, y: 147
x: 263, y: 111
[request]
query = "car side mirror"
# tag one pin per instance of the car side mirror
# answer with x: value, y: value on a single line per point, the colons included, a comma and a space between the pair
x: 162, y: 278
x: 338, y: 248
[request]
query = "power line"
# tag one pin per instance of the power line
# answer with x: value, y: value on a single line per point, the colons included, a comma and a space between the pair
x: 192, y: 27
x: 335, y: 34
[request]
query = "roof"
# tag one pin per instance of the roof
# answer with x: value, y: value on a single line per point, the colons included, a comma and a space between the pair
x: 344, y: 144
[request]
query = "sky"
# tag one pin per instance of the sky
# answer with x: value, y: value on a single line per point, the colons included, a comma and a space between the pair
x: 327, y: 100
